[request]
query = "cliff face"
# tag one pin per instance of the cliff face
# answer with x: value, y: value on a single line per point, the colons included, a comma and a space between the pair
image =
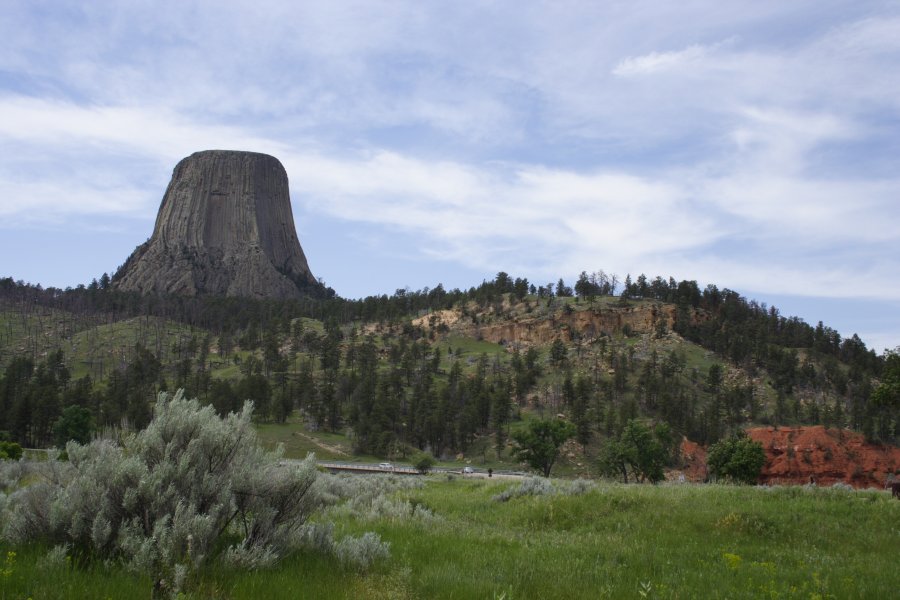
x: 587, y: 323
x: 799, y: 455
x: 225, y: 228
x: 828, y: 456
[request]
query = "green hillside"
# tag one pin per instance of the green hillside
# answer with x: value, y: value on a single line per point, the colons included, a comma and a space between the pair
x: 454, y: 373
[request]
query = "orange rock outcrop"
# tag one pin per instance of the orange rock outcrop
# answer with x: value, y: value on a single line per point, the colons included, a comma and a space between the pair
x: 814, y: 454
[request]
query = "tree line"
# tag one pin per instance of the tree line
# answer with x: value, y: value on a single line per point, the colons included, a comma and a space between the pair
x: 402, y: 392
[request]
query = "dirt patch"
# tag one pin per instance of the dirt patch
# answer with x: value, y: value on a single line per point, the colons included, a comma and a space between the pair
x: 694, y: 457
x: 322, y: 445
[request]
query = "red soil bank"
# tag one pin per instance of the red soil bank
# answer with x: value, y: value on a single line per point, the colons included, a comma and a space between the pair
x: 794, y: 454
x: 798, y: 455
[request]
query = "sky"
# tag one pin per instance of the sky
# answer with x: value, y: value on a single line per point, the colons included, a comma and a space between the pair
x: 752, y: 145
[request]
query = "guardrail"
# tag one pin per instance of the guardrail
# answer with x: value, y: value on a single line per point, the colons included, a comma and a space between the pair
x: 351, y: 467
x: 346, y: 467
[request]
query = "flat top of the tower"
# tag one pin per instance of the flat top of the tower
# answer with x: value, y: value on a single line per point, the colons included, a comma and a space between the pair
x: 227, y: 153
x: 231, y: 157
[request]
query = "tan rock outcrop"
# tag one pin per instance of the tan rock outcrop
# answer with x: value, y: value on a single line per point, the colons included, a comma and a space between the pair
x: 587, y: 324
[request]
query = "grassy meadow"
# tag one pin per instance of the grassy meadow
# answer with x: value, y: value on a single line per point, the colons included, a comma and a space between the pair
x: 614, y: 541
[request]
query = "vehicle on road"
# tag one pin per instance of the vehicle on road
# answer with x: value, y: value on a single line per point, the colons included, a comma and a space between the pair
x: 386, y: 466
x: 468, y: 470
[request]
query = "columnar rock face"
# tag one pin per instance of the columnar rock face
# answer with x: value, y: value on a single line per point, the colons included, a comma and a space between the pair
x: 224, y: 228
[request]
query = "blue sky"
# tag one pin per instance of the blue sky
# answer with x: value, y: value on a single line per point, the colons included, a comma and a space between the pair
x: 751, y: 145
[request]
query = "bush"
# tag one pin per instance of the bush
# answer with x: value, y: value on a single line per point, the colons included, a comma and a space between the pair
x: 639, y: 451
x: 423, y: 462
x: 539, y: 443
x: 540, y: 486
x: 358, y: 553
x: 10, y: 451
x: 369, y: 498
x: 162, y: 500
x: 576, y: 487
x: 738, y: 460
x: 361, y: 552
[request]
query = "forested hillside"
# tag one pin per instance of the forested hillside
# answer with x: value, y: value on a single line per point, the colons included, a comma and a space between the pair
x: 438, y: 369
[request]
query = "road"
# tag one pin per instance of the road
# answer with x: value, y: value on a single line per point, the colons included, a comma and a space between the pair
x: 399, y: 469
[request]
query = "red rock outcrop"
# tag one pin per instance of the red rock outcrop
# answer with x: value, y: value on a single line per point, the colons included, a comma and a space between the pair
x: 796, y: 454
x: 800, y: 455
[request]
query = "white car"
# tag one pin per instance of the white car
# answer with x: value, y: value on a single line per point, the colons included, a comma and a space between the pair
x: 468, y: 470
x: 386, y: 466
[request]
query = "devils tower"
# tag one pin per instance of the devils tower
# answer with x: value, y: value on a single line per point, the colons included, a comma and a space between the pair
x: 224, y: 228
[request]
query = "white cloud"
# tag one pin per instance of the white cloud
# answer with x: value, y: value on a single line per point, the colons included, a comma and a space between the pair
x: 560, y: 221
x: 661, y: 61
x: 546, y: 138
x: 33, y: 121
x: 52, y: 202
x: 548, y: 220
x: 865, y: 37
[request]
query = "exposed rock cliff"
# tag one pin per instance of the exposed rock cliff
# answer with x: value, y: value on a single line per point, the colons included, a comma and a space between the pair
x: 225, y: 228
x: 798, y: 455
x: 824, y: 456
x: 587, y: 324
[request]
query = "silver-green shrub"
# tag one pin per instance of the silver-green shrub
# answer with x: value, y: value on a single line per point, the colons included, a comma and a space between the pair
x: 357, y: 553
x: 362, y: 489
x: 318, y: 537
x: 540, y: 486
x: 56, y: 559
x: 162, y: 499
x: 370, y: 497
x: 576, y: 487
x: 533, y: 486
x: 361, y: 552
x: 11, y: 472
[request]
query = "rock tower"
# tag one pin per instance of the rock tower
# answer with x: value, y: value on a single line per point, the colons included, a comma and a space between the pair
x: 224, y: 228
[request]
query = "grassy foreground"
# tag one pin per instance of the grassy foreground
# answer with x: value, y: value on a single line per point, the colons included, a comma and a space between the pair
x: 613, y: 542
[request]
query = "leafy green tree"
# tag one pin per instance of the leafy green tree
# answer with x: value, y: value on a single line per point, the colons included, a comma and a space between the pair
x: 10, y: 450
x: 539, y: 443
x: 639, y: 451
x: 75, y: 424
x: 738, y: 459
x: 423, y: 461
x: 223, y: 397
x: 614, y: 459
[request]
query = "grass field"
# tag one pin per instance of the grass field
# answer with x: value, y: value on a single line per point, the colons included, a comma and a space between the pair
x: 614, y: 541
x: 298, y: 441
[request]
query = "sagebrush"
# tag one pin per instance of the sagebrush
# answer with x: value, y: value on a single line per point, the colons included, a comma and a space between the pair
x: 163, y: 499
